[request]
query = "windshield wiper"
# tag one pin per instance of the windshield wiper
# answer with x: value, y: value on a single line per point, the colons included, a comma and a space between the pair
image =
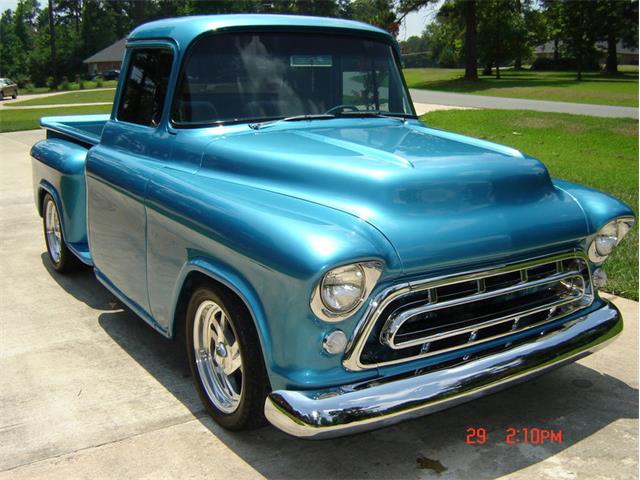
x: 295, y: 118
x: 365, y: 113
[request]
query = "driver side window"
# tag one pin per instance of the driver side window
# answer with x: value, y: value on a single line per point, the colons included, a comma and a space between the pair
x: 146, y: 86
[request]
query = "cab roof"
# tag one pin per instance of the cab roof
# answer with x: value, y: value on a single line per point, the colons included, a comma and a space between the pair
x: 184, y: 29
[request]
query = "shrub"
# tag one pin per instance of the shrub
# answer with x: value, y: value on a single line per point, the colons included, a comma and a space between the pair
x: 448, y: 58
x: 22, y: 80
x: 64, y: 85
x: 418, y: 60
x: 99, y: 82
x: 51, y: 83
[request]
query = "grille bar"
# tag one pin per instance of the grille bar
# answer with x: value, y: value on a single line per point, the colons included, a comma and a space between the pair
x: 394, y: 324
x: 479, y: 326
x: 447, y: 313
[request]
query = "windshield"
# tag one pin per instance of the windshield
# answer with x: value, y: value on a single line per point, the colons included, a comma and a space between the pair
x: 259, y: 76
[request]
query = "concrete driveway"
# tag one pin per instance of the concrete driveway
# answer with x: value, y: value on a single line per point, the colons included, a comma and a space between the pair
x: 88, y: 390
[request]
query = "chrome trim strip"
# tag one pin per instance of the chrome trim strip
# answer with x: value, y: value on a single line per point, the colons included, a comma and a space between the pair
x: 351, y: 360
x: 345, y: 410
x: 394, y: 323
x: 489, y: 323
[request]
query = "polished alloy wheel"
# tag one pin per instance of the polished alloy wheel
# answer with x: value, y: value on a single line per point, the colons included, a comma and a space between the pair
x: 217, y: 356
x: 52, y: 231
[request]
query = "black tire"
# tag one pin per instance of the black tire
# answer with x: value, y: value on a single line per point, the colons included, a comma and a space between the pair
x: 65, y: 261
x: 249, y: 412
x: 15, y: 95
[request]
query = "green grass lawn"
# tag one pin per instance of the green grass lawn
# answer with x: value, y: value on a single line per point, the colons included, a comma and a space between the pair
x: 598, y: 152
x: 28, y: 119
x: 72, y: 86
x: 78, y: 96
x: 620, y: 89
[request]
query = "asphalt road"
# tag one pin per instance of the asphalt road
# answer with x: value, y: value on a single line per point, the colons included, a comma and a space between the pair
x: 88, y: 390
x: 504, y: 103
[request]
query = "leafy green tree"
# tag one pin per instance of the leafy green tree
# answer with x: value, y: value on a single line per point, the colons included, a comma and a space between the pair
x: 11, y: 47
x: 619, y: 22
x: 552, y: 11
x: 203, y: 7
x: 53, y: 65
x: 453, y: 13
x: 533, y: 30
x: 580, y: 24
x: 501, y: 33
x: 380, y: 13
x: 103, y: 23
x: 445, y: 36
x: 24, y: 28
x: 470, y: 14
x: 71, y: 12
x: 413, y: 44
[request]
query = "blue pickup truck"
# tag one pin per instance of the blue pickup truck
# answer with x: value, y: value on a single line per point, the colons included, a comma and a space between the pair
x: 264, y: 192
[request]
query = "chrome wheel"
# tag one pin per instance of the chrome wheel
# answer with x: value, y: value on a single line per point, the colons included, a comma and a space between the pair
x: 217, y: 356
x: 52, y: 231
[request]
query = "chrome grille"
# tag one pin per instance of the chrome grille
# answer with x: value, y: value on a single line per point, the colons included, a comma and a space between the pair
x: 435, y: 316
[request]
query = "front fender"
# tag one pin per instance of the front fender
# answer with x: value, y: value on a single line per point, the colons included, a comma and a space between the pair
x: 598, y: 207
x: 269, y: 248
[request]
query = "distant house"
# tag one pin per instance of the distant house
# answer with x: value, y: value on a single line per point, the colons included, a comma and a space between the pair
x: 107, y: 59
x: 626, y: 55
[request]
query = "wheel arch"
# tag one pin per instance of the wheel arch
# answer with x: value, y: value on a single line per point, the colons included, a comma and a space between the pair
x: 201, y: 270
x: 44, y: 188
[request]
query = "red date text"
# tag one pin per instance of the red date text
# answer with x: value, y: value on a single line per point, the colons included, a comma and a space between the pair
x: 515, y: 436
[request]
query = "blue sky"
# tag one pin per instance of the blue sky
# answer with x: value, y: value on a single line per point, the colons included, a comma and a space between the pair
x: 413, y: 24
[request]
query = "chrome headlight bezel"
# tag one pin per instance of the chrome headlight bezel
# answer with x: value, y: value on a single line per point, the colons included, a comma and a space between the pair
x: 371, y: 271
x: 611, y: 233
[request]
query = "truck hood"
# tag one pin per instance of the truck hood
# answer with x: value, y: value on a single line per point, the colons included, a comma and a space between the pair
x: 438, y: 197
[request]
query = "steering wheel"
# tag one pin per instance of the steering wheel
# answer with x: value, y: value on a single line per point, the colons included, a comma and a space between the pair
x: 339, y: 108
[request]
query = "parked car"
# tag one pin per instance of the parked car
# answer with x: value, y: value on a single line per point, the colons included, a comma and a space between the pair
x: 264, y: 192
x: 111, y: 74
x: 8, y: 88
x: 107, y: 75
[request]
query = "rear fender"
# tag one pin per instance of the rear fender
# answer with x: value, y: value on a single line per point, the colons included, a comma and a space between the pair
x: 58, y: 169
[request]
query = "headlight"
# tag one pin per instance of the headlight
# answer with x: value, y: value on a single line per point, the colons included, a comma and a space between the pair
x: 607, y: 238
x: 343, y: 289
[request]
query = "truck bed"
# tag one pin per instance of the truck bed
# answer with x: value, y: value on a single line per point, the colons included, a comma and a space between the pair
x: 86, y: 129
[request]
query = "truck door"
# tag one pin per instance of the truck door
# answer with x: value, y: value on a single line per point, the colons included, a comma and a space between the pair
x: 134, y: 145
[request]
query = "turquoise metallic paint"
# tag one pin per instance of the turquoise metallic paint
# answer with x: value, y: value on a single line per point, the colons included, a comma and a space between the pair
x: 84, y: 128
x: 268, y: 212
x: 598, y: 207
x: 58, y: 168
x: 463, y: 200
x: 184, y: 30
x: 271, y: 247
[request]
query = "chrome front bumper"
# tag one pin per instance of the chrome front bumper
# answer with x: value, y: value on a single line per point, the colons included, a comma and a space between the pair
x: 332, y: 413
